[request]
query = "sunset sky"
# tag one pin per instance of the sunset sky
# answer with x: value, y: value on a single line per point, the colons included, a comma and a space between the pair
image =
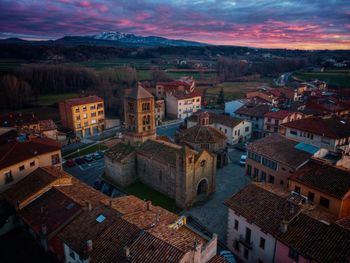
x: 304, y: 24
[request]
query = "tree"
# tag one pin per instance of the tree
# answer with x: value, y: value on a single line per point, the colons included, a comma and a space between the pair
x: 221, y: 98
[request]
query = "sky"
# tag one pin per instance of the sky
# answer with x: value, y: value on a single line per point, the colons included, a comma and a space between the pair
x: 293, y: 24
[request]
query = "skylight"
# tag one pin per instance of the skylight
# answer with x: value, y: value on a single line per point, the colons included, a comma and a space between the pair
x: 100, y: 218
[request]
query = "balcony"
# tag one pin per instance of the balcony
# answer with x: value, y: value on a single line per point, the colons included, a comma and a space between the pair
x: 246, y: 243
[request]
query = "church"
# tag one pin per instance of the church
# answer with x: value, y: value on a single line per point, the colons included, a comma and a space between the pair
x: 178, y: 171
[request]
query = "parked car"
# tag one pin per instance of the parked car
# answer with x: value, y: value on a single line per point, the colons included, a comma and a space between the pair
x: 80, y: 161
x: 88, y: 158
x: 70, y: 163
x: 228, y: 256
x: 243, y: 160
x: 119, y: 135
x: 97, y: 156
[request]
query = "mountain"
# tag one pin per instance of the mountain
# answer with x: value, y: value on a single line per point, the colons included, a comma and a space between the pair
x: 113, y: 39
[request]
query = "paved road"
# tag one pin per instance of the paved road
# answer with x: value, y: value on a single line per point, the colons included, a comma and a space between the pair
x: 213, y: 213
x: 168, y: 130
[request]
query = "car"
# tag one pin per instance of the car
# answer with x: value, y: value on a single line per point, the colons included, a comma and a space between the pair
x: 70, y: 163
x: 228, y: 256
x: 243, y: 160
x: 88, y: 158
x: 119, y: 135
x: 97, y: 156
x: 80, y: 161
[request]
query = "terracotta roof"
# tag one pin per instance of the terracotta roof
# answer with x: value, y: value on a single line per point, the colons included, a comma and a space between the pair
x: 52, y: 209
x: 202, y: 134
x: 263, y: 208
x: 83, y: 100
x: 139, y: 93
x: 217, y: 259
x: 162, y: 150
x: 331, y: 127
x: 318, y: 241
x: 47, y: 125
x: 37, y: 182
x: 279, y: 149
x: 280, y: 114
x: 14, y: 152
x: 325, y: 178
x: 119, y: 151
x: 344, y: 222
x: 186, y: 95
x: 253, y: 110
x: 217, y: 118
x: 17, y: 119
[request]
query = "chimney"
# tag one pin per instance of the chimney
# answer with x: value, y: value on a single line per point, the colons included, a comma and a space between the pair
x: 284, y: 226
x: 127, y: 252
x: 43, y: 229
x: 149, y: 205
x: 89, y: 245
x: 196, y: 245
x: 89, y: 206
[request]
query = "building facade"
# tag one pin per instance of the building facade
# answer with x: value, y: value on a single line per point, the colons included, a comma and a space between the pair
x: 85, y: 116
x: 180, y: 105
x: 274, y: 119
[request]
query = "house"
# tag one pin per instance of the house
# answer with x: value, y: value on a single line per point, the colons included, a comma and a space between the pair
x: 159, y: 112
x: 274, y: 96
x: 180, y: 105
x: 328, y: 106
x: 85, y: 116
x: 274, y: 119
x: 324, y: 185
x: 232, y: 106
x: 254, y: 113
x: 21, y: 155
x: 274, y: 159
x: 185, y: 84
x: 235, y: 129
x: 331, y: 132
x: 80, y: 224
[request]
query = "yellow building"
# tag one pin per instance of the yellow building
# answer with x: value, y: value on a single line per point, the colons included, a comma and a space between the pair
x: 19, y: 157
x: 139, y: 111
x: 85, y: 116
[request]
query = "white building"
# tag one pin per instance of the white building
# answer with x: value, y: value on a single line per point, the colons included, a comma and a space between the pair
x: 255, y: 217
x: 181, y: 105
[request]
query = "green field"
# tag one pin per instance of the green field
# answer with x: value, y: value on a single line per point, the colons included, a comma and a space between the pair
x: 144, y: 192
x: 52, y: 99
x: 237, y: 90
x: 337, y: 78
x: 88, y: 150
x: 8, y: 65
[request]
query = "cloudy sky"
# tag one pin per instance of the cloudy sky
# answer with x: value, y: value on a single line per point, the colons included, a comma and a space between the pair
x: 306, y: 24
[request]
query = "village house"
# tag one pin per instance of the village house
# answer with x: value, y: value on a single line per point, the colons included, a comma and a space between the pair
x: 21, y: 155
x: 331, y: 132
x: 275, y: 96
x: 160, y: 112
x: 85, y: 116
x: 235, y: 129
x: 180, y: 105
x: 274, y: 159
x: 254, y: 113
x: 185, y: 84
x: 274, y: 119
x: 80, y: 224
x: 324, y: 106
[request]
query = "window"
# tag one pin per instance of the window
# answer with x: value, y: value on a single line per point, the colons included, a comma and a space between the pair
x: 71, y: 253
x: 8, y: 177
x: 78, y: 118
x: 225, y: 131
x: 248, y: 234
x: 246, y: 253
x: 76, y: 110
x: 293, y: 132
x: 236, y: 224
x: 247, y: 129
x: 297, y: 189
x: 84, y: 108
x: 324, y: 202
x: 269, y: 163
x: 262, y: 243
x: 146, y: 106
x: 21, y: 168
x: 271, y: 179
x: 311, y: 196
x: 263, y: 177
x: 93, y: 114
x: 293, y: 254
x: 235, y: 132
x: 281, y: 182
x: 85, y: 116
x: 190, y: 159
x: 55, y: 159
x: 203, y: 163
x: 92, y: 107
x: 236, y: 245
x: 249, y: 170
x: 32, y: 164
x: 256, y: 172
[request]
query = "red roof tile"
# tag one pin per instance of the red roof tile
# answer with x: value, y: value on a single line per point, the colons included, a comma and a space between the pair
x: 280, y: 114
x: 184, y: 95
x: 83, y: 100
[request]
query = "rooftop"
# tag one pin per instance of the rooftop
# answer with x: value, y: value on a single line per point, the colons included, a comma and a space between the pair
x: 331, y: 127
x: 83, y: 100
x: 47, y: 125
x: 185, y: 95
x: 17, y: 119
x: 202, y: 134
x: 139, y: 93
x: 280, y: 114
x: 258, y: 110
x: 278, y: 148
x: 217, y: 118
x: 119, y: 151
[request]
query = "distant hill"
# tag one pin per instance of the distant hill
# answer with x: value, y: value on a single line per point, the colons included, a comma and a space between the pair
x: 112, y: 39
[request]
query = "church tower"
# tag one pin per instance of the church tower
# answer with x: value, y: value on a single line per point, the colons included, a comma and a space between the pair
x: 139, y: 116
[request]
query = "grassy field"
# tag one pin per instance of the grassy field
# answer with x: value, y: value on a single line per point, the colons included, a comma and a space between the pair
x: 114, y: 62
x: 52, y: 99
x: 144, y: 192
x: 237, y: 90
x: 91, y: 149
x: 338, y: 78
x: 8, y: 65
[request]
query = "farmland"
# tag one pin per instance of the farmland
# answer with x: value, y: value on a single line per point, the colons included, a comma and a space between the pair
x: 334, y: 78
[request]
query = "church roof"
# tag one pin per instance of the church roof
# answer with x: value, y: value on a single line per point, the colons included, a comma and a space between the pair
x: 202, y: 134
x: 139, y: 93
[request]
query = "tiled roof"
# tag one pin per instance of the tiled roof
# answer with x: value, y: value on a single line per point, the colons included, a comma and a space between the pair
x: 15, y: 152
x: 280, y: 114
x: 139, y: 93
x: 253, y: 110
x: 331, y: 127
x: 185, y: 95
x: 280, y: 149
x: 318, y: 241
x: 325, y: 178
x: 217, y: 118
x: 53, y: 209
x: 119, y: 151
x: 39, y: 181
x: 17, y: 119
x: 344, y: 222
x: 263, y: 208
x: 47, y: 125
x: 161, y: 150
x: 217, y: 259
x: 83, y: 100
x: 202, y: 134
